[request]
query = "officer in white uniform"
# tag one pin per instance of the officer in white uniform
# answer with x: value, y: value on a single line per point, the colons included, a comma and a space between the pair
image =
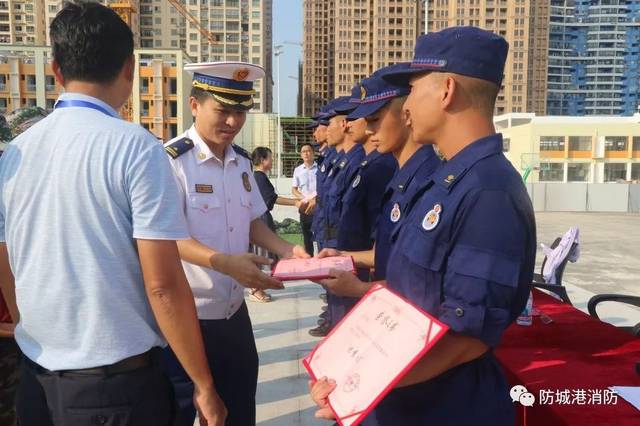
x: 223, y: 205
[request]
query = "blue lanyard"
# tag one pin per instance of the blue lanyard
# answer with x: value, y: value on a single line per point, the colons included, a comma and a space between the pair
x: 84, y: 104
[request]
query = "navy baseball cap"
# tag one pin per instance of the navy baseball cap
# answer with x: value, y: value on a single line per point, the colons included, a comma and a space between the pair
x: 345, y: 106
x: 468, y: 51
x: 376, y: 92
x: 338, y: 106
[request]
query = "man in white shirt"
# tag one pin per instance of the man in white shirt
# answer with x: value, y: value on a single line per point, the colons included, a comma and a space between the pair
x: 304, y: 186
x: 89, y: 265
x: 223, y: 207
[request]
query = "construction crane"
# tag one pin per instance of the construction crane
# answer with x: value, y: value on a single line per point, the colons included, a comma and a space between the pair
x: 193, y: 21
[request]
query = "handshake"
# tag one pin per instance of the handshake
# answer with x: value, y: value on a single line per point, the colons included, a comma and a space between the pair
x: 307, y: 205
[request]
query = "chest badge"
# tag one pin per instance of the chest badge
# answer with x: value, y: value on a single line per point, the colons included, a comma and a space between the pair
x: 245, y: 182
x: 432, y: 218
x: 323, y: 168
x: 204, y: 189
x: 395, y: 213
x: 356, y: 182
x: 202, y: 156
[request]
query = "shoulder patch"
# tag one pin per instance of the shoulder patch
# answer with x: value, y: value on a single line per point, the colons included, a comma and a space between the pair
x: 179, y: 147
x: 241, y: 151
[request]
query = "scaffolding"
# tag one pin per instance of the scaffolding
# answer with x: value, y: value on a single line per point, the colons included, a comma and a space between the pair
x: 294, y: 134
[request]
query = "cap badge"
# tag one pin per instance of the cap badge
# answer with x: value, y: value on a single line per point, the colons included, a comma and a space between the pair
x: 363, y: 93
x: 241, y: 74
x: 432, y: 218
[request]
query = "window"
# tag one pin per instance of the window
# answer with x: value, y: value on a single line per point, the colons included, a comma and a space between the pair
x: 615, y: 143
x: 578, y: 172
x: 551, y: 143
x: 615, y: 171
x: 552, y: 172
x: 173, y: 107
x: 635, y: 171
x: 579, y: 143
x: 3, y: 104
x: 506, y: 144
x: 173, y: 86
x: 636, y: 143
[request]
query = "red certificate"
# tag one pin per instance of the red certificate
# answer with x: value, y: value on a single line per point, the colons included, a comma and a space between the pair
x: 311, y: 269
x: 370, y: 350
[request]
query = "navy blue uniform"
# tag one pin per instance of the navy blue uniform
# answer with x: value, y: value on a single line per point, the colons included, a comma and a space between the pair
x: 321, y: 179
x: 360, y: 208
x: 339, y: 178
x: 465, y: 253
x: 398, y: 193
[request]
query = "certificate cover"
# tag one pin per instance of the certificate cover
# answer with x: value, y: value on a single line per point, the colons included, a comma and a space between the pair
x: 370, y: 350
x: 311, y: 269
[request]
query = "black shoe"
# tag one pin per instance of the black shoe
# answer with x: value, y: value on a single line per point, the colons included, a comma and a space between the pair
x: 322, y: 321
x: 323, y: 297
x: 324, y: 315
x: 321, y: 330
x: 324, y: 308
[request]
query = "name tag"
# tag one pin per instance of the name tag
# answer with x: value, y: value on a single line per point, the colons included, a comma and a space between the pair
x: 204, y: 189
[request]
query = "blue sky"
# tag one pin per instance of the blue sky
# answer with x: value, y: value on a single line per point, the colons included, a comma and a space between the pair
x: 287, y: 27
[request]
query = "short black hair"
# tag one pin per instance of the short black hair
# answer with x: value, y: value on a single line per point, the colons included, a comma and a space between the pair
x: 90, y: 42
x: 259, y: 154
x: 307, y: 144
x: 201, y: 95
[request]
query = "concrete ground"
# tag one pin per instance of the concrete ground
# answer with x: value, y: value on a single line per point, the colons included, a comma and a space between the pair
x: 609, y: 263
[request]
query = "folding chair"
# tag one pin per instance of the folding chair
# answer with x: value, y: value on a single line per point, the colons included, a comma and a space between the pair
x: 622, y: 298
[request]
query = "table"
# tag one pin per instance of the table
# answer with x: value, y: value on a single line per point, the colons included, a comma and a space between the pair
x: 575, y: 352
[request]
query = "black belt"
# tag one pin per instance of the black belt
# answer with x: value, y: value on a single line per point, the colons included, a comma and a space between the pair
x: 126, y: 365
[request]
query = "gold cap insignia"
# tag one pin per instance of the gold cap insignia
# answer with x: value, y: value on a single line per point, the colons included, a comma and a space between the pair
x: 241, y: 74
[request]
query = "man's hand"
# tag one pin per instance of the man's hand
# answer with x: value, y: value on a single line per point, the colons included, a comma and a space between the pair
x: 297, y: 252
x: 320, y: 391
x: 328, y: 252
x: 245, y: 268
x: 344, y: 283
x: 211, y: 409
x: 302, y: 205
x: 310, y: 207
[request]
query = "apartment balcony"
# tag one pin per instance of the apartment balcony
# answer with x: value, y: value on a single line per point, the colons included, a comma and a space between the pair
x: 552, y: 154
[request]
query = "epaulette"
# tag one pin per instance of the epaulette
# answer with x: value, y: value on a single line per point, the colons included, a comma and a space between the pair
x: 241, y: 151
x: 179, y: 147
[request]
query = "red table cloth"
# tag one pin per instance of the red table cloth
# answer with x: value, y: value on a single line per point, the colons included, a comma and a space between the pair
x: 571, y: 360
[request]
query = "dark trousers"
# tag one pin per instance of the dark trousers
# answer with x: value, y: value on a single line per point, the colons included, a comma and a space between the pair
x: 306, y: 222
x: 9, y: 377
x: 233, y: 359
x: 140, y: 397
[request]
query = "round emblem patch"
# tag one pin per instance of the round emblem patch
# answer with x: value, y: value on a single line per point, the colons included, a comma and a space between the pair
x: 432, y: 218
x: 356, y: 182
x: 395, y: 213
x: 245, y: 182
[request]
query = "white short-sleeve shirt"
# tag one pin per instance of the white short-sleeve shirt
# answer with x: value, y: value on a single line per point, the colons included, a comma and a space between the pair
x: 76, y: 191
x: 220, y: 200
x: 304, y: 178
